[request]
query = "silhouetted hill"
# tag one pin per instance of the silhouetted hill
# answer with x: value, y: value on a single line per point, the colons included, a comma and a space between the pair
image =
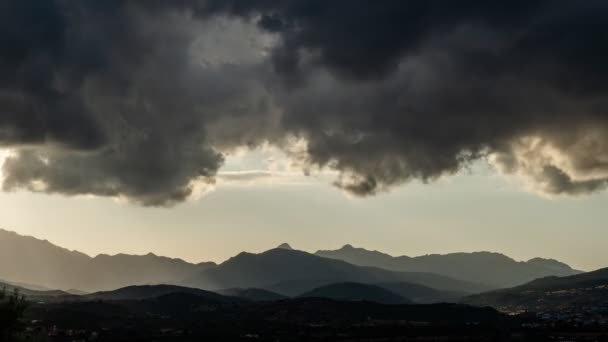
x: 589, y: 289
x: 494, y: 269
x: 422, y: 294
x: 257, y: 295
x: 152, y: 291
x: 29, y: 260
x: 356, y: 292
x: 292, y: 272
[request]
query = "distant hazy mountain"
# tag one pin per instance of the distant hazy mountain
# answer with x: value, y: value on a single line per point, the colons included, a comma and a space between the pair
x: 357, y: 292
x: 292, y: 272
x: 589, y: 289
x: 29, y: 260
x: 252, y: 294
x: 494, y: 269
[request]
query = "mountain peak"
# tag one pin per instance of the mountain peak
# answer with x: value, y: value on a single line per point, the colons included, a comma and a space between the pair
x: 285, y: 246
x: 348, y: 246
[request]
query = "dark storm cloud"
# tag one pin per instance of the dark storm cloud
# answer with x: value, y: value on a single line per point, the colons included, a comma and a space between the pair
x: 139, y: 98
x: 421, y: 88
x: 107, y: 98
x: 32, y: 108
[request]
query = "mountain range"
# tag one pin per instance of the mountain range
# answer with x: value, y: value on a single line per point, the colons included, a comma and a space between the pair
x: 275, y: 273
x: 492, y: 269
x: 550, y: 293
x: 291, y: 272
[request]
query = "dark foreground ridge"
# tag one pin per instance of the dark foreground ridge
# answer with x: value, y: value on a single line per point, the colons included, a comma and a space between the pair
x: 183, y: 316
x: 191, y: 317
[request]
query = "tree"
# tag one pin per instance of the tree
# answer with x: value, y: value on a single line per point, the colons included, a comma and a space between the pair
x: 12, y: 309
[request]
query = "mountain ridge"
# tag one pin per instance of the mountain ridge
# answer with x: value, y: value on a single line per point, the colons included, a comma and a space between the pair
x: 292, y: 268
x: 495, y: 269
x: 26, y: 259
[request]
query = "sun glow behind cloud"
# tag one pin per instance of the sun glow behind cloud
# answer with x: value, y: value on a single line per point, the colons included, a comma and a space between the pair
x: 265, y: 166
x: 270, y: 166
x: 4, y: 154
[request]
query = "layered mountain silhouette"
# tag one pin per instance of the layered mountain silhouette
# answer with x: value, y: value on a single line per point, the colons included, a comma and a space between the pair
x: 292, y: 272
x: 357, y: 292
x: 493, y: 269
x: 26, y: 259
x: 270, y: 275
x: 586, y: 289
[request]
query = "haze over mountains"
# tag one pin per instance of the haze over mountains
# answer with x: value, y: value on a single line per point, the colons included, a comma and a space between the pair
x: 33, y: 261
x: 275, y: 273
x: 493, y: 269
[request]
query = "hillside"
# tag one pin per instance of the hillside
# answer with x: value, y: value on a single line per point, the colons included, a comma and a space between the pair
x: 494, y: 269
x: 356, y: 292
x: 586, y: 289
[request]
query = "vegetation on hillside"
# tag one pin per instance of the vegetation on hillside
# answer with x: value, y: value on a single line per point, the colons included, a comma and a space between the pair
x: 12, y: 308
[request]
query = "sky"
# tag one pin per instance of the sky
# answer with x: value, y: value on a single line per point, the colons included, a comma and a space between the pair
x: 200, y: 128
x: 476, y: 210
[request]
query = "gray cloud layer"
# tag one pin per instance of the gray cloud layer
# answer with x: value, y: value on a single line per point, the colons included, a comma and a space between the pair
x: 138, y: 99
